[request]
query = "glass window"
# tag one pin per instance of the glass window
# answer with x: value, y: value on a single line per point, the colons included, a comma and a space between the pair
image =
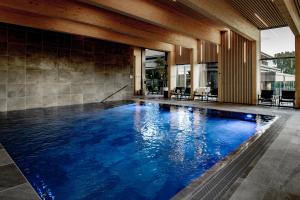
x: 155, y: 71
x: 188, y: 76
x: 208, y: 74
x: 183, y: 76
x: 277, y: 64
x: 278, y: 74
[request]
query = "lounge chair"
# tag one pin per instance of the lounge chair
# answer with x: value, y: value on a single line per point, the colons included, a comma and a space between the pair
x: 152, y: 90
x: 186, y: 93
x: 213, y: 95
x: 287, y: 97
x: 200, y: 92
x: 266, y: 96
x: 177, y: 92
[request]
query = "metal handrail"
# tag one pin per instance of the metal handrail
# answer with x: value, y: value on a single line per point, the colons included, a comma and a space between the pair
x: 119, y: 90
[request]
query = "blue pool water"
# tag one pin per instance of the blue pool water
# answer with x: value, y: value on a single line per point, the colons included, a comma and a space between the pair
x: 132, y: 151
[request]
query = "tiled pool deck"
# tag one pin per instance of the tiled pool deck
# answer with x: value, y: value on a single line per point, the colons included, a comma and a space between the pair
x: 276, y: 175
x: 13, y: 185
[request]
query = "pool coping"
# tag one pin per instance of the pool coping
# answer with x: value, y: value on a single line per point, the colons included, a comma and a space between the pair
x: 209, y: 185
x: 194, y: 188
x: 13, y: 183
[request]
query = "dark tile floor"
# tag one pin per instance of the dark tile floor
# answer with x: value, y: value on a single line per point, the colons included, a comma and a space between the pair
x: 13, y: 185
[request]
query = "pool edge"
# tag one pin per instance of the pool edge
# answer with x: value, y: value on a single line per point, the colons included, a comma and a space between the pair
x: 216, y: 181
x: 15, y: 184
x: 207, y: 175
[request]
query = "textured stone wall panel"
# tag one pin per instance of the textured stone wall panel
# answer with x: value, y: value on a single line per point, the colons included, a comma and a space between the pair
x: 43, y: 69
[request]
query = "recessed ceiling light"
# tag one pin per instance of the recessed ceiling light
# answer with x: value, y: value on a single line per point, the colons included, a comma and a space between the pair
x: 260, y: 19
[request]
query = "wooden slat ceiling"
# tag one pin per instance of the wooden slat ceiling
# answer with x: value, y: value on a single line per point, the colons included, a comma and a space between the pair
x: 264, y: 9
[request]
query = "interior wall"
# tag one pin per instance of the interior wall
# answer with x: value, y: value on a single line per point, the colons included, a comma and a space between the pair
x: 42, y: 69
x: 237, y: 68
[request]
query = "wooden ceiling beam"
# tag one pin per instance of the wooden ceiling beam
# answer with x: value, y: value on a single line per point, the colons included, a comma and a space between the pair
x: 157, y: 14
x: 289, y: 11
x: 66, y: 26
x: 88, y: 14
x: 223, y: 12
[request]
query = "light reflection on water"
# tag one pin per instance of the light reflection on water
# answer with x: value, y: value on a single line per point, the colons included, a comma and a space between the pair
x: 141, y: 151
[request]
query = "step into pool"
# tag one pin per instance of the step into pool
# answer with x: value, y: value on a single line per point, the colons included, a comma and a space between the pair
x: 130, y: 151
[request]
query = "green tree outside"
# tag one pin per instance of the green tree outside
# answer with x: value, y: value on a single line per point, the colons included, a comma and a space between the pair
x: 286, y: 65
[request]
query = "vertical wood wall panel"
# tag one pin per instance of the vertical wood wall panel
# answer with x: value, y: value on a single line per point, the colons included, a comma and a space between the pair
x: 209, y: 52
x: 236, y: 74
x: 184, y: 58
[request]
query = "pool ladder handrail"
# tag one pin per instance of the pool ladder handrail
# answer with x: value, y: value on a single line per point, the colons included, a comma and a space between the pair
x: 119, y: 90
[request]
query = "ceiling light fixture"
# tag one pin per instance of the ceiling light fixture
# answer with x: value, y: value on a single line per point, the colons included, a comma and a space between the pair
x: 260, y: 19
x: 180, y: 50
x: 229, y: 39
x: 201, y: 52
x: 245, y: 52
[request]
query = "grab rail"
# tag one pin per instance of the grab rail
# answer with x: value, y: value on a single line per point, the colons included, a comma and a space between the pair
x: 119, y: 90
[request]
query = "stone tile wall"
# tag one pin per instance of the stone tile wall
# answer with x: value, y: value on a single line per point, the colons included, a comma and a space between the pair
x: 42, y: 69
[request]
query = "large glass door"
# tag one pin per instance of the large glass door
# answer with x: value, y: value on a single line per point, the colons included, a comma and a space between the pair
x: 155, y: 72
x: 183, y: 76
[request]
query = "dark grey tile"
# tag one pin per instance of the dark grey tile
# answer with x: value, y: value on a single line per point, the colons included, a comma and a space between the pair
x: 3, y: 106
x: 16, y: 103
x: 14, y: 49
x: 249, y: 190
x: 2, y: 91
x: 4, y: 158
x: 275, y: 194
x: 3, y: 34
x: 3, y: 48
x: 16, y: 36
x: 3, y: 62
x: 34, y: 37
x: 21, y: 192
x: 16, y: 62
x: 3, y: 76
x: 10, y: 176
